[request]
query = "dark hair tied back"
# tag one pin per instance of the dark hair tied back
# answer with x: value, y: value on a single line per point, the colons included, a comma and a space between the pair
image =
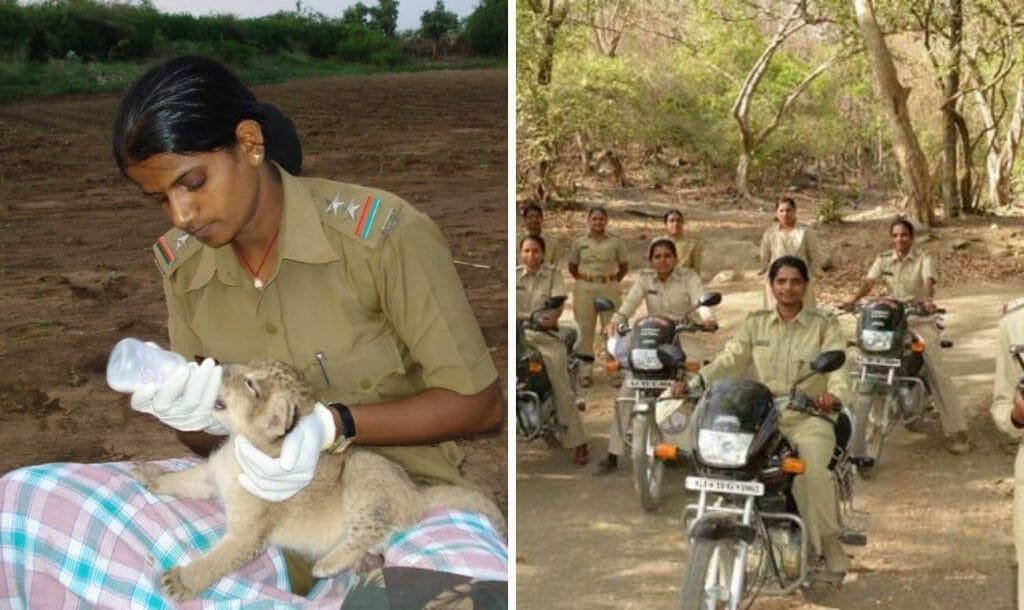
x: 190, y: 105
x: 789, y: 261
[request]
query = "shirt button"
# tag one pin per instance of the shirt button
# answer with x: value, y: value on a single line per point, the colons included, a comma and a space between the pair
x: 271, y: 329
x: 364, y: 383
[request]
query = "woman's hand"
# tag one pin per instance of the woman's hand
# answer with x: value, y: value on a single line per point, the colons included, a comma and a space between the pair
x: 185, y: 400
x: 827, y: 402
x: 611, y: 329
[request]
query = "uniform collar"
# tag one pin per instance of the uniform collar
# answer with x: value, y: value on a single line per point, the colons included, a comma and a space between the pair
x: 302, y: 239
x: 911, y: 254
x: 526, y: 271
x: 801, y: 318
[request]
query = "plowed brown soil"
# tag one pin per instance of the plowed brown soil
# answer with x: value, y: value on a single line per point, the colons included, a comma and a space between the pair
x: 76, y: 272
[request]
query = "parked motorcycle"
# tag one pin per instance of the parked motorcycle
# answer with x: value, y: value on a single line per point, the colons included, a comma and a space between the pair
x: 536, y: 413
x: 891, y: 371
x: 650, y: 352
x: 746, y: 536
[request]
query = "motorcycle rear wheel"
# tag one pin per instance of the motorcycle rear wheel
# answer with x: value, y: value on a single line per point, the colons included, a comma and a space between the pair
x: 648, y: 471
x: 704, y: 563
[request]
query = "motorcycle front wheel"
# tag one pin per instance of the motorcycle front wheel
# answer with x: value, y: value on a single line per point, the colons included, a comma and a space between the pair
x: 871, y: 419
x: 706, y: 578
x: 648, y: 471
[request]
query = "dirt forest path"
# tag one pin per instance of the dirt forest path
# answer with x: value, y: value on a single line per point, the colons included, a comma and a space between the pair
x: 940, y: 526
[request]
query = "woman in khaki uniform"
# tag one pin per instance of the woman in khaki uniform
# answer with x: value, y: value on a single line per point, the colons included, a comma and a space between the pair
x: 780, y: 343
x: 535, y: 284
x: 349, y: 284
x: 598, y: 262
x: 668, y: 290
x: 909, y: 274
x: 688, y: 250
x: 786, y: 238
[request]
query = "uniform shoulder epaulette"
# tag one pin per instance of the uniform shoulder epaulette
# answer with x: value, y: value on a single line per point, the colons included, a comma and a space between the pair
x: 363, y: 214
x: 173, y: 248
x: 646, y: 271
x: 759, y: 313
x: 887, y: 254
x: 820, y: 313
x: 1012, y: 306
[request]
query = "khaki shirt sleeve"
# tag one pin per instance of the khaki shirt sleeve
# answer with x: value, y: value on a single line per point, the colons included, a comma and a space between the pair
x: 621, y: 252
x: 695, y: 288
x: 814, y: 256
x: 1007, y: 374
x: 733, y: 359
x: 574, y: 252
x: 766, y: 247
x: 632, y: 300
x: 838, y: 381
x: 928, y: 268
x: 422, y: 297
x: 557, y: 284
x: 183, y: 339
x: 875, y: 272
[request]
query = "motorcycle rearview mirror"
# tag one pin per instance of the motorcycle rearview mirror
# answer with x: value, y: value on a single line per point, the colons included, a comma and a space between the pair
x: 825, y: 362
x: 554, y: 302
x: 709, y: 299
x: 829, y: 361
x: 603, y: 304
x: 671, y: 355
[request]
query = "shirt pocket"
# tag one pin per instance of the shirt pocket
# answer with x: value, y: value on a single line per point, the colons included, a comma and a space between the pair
x: 355, y: 375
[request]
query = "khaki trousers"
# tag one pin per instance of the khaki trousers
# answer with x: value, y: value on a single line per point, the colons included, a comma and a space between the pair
x: 583, y: 310
x: 552, y: 352
x: 1018, y: 522
x: 947, y: 401
x: 616, y: 446
x: 814, y: 491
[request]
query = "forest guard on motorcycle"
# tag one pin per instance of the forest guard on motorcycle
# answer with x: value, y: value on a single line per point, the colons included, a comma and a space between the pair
x: 536, y: 412
x: 891, y: 387
x: 746, y: 535
x: 651, y: 353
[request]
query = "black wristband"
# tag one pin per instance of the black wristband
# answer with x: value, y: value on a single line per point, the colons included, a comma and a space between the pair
x: 348, y: 424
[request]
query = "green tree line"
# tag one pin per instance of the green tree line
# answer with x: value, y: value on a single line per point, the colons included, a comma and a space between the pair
x: 93, y: 31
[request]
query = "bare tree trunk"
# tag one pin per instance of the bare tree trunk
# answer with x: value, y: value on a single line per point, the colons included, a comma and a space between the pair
x: 549, y: 17
x: 951, y: 87
x: 999, y: 181
x: 913, y: 166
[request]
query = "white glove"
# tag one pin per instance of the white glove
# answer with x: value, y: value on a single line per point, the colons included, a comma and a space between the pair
x: 185, y: 399
x: 277, y: 479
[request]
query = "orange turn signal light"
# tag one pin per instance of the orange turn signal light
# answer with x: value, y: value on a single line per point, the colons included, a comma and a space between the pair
x: 917, y: 346
x: 612, y: 366
x: 692, y: 367
x: 535, y: 368
x: 666, y: 452
x: 793, y: 465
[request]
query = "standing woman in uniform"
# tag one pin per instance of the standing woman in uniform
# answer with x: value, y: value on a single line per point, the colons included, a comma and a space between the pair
x: 909, y: 274
x: 668, y: 290
x: 350, y: 285
x: 786, y: 238
x: 536, y: 282
x: 598, y: 262
x: 688, y: 250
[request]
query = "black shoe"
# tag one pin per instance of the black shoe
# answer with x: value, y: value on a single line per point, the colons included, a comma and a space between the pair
x: 606, y: 465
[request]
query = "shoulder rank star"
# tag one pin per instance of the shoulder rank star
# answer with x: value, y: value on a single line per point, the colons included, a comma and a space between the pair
x: 351, y: 209
x: 333, y: 205
x: 180, y: 242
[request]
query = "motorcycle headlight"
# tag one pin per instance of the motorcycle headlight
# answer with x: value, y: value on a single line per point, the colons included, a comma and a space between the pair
x: 876, y: 340
x: 723, y: 449
x: 645, y: 360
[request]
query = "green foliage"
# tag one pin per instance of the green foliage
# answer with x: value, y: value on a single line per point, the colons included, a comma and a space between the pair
x: 486, y: 28
x: 435, y: 23
x: 831, y: 209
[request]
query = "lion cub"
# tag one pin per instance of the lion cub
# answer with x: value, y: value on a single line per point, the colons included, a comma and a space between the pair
x: 355, y: 501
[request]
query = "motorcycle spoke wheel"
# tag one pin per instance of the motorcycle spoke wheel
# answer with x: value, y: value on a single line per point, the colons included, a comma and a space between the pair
x: 706, y: 577
x: 648, y: 471
x: 876, y: 429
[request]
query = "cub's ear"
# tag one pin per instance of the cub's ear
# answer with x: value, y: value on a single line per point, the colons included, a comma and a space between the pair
x: 278, y: 415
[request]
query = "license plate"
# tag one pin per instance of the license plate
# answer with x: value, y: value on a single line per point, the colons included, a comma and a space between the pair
x: 723, y: 486
x: 650, y: 384
x: 878, y: 361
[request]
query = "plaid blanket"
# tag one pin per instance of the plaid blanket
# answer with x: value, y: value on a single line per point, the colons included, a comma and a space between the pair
x: 90, y: 536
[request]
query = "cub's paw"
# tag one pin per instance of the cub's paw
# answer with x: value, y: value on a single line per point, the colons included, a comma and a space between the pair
x: 173, y: 583
x: 325, y: 568
x: 371, y: 561
x: 147, y: 474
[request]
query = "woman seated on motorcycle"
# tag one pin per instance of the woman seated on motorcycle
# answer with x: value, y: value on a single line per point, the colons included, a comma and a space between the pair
x: 535, y: 284
x: 909, y: 275
x: 669, y: 291
x: 780, y: 343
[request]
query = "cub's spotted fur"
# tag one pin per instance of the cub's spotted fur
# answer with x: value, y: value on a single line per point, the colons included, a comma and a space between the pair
x: 355, y: 501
